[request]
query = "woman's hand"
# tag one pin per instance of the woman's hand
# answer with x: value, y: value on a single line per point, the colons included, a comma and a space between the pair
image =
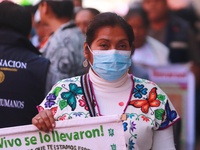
x: 44, y: 121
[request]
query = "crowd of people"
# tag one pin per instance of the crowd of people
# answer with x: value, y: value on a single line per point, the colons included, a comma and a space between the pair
x: 56, y: 46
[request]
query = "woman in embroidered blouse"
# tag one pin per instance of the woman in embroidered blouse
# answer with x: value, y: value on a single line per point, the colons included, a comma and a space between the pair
x: 108, y: 49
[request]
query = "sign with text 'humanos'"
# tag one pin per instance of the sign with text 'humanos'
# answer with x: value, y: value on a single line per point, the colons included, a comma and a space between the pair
x: 97, y: 133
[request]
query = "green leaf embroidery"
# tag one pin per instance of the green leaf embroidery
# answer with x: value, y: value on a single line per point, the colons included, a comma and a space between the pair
x: 159, y: 113
x: 161, y: 97
x: 56, y: 91
x: 135, y: 136
x: 63, y: 104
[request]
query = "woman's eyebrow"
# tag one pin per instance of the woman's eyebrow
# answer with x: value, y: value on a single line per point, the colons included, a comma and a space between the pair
x: 103, y: 39
x: 123, y: 40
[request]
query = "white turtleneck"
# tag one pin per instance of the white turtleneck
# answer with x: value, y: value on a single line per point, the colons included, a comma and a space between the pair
x: 111, y: 97
x: 110, y: 94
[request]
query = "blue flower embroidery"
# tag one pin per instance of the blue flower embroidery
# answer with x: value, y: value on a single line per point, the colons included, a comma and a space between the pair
x: 77, y: 114
x: 130, y: 116
x: 131, y: 145
x: 125, y: 126
x: 139, y: 91
x: 137, y: 80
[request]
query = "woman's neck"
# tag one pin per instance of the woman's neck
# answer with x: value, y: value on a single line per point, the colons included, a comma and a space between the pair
x: 103, y: 84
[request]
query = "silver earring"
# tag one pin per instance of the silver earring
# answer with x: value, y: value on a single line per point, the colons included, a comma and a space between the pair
x: 85, y: 63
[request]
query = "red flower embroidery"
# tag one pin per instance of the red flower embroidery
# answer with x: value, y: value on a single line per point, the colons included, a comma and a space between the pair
x: 82, y: 103
x: 145, y: 119
x: 54, y: 110
x: 63, y: 117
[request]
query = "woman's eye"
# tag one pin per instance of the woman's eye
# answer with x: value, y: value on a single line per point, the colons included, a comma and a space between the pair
x: 104, y: 46
x: 123, y: 46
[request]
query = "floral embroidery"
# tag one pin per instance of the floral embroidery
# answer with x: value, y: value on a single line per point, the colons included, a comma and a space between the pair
x: 63, y: 104
x: 68, y: 93
x: 162, y: 98
x: 82, y: 103
x: 131, y: 145
x: 51, y: 97
x: 63, y: 117
x: 50, y: 100
x: 145, y: 119
x: 54, y: 110
x: 56, y: 91
x: 125, y: 124
x: 139, y: 91
x: 77, y: 114
x: 130, y: 115
x: 137, y: 80
x: 74, y: 79
x: 159, y: 114
x: 73, y: 115
x: 133, y: 126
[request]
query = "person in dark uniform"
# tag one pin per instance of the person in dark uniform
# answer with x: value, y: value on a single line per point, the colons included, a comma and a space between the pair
x: 22, y: 69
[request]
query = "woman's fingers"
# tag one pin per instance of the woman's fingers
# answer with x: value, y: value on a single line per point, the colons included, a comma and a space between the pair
x: 44, y: 121
x: 35, y: 121
x: 48, y: 119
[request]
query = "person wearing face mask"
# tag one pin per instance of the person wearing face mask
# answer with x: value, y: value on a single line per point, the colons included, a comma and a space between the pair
x: 108, y: 89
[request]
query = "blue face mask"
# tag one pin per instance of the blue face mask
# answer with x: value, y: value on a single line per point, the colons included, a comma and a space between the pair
x: 111, y: 64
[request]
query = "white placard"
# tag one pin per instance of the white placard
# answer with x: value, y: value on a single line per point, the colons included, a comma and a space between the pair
x: 178, y: 82
x: 97, y: 133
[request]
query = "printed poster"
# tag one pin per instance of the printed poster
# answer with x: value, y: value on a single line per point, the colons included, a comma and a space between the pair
x: 178, y: 82
x: 96, y: 133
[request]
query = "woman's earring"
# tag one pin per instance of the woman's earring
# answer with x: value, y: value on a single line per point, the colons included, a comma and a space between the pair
x: 85, y: 63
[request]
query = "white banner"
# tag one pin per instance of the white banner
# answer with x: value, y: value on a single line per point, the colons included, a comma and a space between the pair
x: 179, y: 84
x: 97, y: 133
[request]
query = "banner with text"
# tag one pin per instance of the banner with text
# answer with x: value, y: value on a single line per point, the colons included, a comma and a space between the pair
x: 179, y: 84
x: 97, y: 133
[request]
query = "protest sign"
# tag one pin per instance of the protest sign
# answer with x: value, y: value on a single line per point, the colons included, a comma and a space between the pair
x: 178, y: 82
x: 97, y: 133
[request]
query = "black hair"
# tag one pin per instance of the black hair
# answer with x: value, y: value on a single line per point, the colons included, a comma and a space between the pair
x: 108, y: 19
x: 15, y: 17
x: 61, y: 8
x: 137, y: 11
x: 31, y: 8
